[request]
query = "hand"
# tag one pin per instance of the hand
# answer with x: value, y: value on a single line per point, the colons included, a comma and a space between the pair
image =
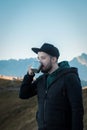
x: 30, y: 71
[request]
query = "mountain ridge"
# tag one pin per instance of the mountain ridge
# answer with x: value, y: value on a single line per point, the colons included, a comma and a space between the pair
x: 18, y: 68
x: 80, y: 62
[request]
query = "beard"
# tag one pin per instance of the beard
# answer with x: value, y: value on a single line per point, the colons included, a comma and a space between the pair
x: 47, y: 68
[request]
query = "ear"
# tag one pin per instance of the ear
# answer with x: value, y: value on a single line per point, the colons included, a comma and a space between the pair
x: 54, y: 59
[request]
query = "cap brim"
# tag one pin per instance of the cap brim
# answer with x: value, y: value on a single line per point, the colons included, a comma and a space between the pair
x: 36, y: 50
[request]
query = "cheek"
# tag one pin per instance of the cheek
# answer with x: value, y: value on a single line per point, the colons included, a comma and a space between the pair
x: 45, y: 63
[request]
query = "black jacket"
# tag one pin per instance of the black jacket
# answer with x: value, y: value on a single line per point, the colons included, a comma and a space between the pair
x: 60, y: 105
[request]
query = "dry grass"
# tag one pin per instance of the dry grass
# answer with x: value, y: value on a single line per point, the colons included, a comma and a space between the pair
x: 85, y: 107
x: 17, y: 114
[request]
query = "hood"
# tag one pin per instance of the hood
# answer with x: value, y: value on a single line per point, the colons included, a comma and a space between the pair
x: 64, y: 64
x: 64, y: 68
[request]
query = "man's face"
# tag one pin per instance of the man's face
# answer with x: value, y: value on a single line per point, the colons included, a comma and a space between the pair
x: 46, y: 61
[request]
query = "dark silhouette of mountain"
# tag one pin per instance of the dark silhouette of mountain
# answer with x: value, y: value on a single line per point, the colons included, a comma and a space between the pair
x: 19, y: 67
x: 81, y: 63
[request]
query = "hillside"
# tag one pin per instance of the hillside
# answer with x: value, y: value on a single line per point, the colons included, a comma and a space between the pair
x: 17, y: 114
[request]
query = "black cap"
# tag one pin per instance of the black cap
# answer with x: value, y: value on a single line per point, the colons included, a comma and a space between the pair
x: 49, y: 49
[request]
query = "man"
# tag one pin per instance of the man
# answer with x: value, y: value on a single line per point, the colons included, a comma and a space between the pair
x: 58, y: 90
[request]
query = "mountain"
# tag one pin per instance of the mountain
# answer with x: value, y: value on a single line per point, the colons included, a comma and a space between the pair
x: 19, y: 67
x: 14, y: 67
x: 81, y: 63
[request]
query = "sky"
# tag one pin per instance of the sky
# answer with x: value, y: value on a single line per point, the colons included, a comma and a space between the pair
x: 30, y: 23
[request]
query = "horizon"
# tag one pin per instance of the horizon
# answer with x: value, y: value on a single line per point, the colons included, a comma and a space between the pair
x: 36, y: 58
x: 30, y: 23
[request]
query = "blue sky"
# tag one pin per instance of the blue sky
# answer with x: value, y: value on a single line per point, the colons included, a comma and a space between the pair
x: 29, y: 23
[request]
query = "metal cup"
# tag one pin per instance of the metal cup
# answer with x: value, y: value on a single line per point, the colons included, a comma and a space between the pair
x: 36, y: 66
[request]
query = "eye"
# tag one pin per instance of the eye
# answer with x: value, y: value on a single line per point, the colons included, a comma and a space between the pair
x: 38, y: 58
x: 43, y: 57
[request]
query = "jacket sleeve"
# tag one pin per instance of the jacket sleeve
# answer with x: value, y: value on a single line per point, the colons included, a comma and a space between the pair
x: 74, y: 94
x: 27, y: 89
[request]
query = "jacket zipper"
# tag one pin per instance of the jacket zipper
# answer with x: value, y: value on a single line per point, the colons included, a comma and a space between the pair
x: 45, y: 100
